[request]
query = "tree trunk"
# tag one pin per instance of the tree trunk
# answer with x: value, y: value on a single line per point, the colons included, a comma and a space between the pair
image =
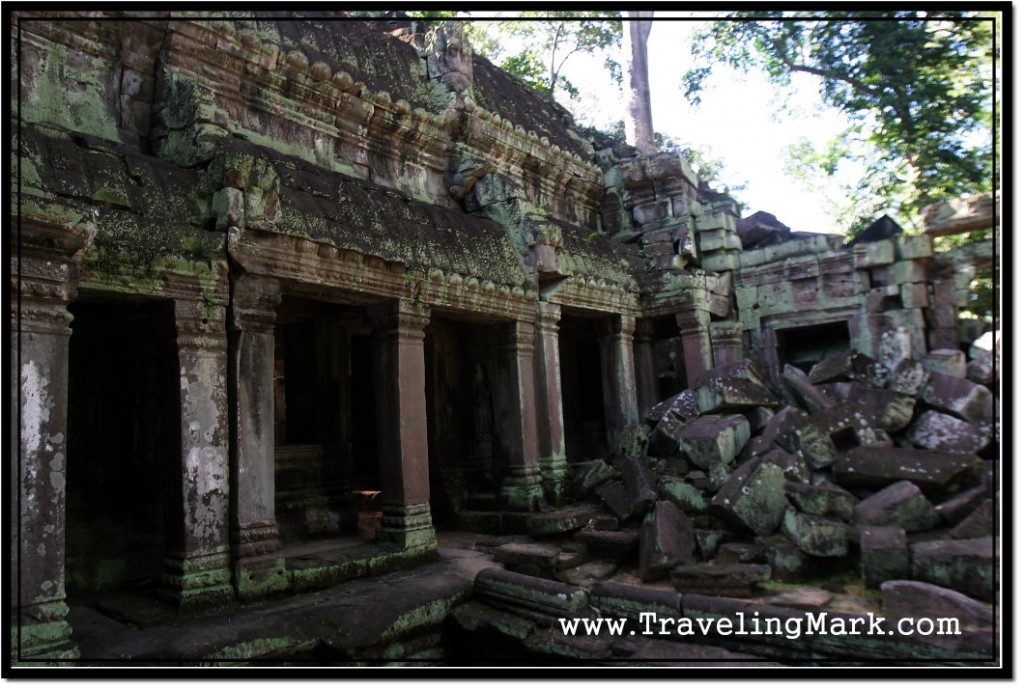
x: 639, y: 122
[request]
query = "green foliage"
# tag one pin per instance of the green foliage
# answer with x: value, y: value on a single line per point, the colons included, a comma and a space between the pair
x: 917, y: 90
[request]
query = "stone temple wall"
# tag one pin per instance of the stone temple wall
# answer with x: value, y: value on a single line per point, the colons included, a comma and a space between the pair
x: 389, y: 286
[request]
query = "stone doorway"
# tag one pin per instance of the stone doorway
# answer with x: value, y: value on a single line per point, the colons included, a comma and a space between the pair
x: 124, y: 447
x: 806, y: 346
x: 582, y: 388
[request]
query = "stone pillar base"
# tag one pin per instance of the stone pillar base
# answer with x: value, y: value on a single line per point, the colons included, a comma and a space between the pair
x: 43, y: 637
x: 554, y: 473
x: 259, y: 571
x: 522, y: 490
x: 198, y: 580
x: 408, y: 526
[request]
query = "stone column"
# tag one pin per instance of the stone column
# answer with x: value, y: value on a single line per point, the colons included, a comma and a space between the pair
x: 646, y: 371
x: 618, y: 375
x: 515, y: 394
x: 400, y: 380
x: 44, y: 282
x: 197, y: 563
x: 258, y: 568
x: 550, y: 425
x: 697, y: 352
x: 726, y: 342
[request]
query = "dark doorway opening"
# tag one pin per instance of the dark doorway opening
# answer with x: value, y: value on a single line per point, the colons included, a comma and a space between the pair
x: 806, y: 346
x: 582, y: 388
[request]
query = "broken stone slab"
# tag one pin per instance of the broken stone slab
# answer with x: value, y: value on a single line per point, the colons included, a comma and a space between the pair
x: 589, y: 474
x: 733, y: 396
x: 877, y: 467
x: 905, y: 598
x: 963, y: 565
x: 753, y: 497
x: 828, y: 433
x: 666, y: 541
x: 741, y: 369
x: 779, y: 432
x: 814, y: 535
x: 633, y: 441
x: 960, y: 397
x: 850, y: 365
x: 639, y: 483
x: 630, y: 601
x: 614, y: 495
x: 739, y: 553
x: 981, y: 370
x: 822, y: 499
x: 909, y: 377
x: 588, y: 573
x: 941, y: 432
x: 729, y: 580
x: 613, y: 544
x: 901, y: 505
x: 884, y: 409
x: 528, y: 554
x: 713, y: 439
x: 883, y: 554
x: 786, y: 560
x: 793, y: 466
x: 673, y: 465
x: 529, y: 595
x: 555, y: 522
x: 686, y: 496
x: 718, y: 475
x: 683, y: 406
x: 476, y: 617
x: 945, y: 361
x: 958, y: 507
x: 979, y: 523
x: 758, y: 418
x: 801, y: 598
x: 664, y: 440
x: 812, y: 397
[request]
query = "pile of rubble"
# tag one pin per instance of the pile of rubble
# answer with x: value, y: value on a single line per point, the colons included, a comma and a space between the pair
x: 875, y: 474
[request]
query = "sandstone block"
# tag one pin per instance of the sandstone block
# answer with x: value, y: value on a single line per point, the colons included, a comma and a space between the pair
x: 946, y: 361
x: 686, y: 496
x: 901, y: 505
x: 979, y: 523
x: 733, y: 396
x: 883, y: 554
x: 904, y: 598
x: 822, y: 499
x: 829, y: 433
x: 753, y: 497
x: 786, y: 560
x: 963, y: 565
x: 850, y: 365
x: 713, y: 439
x: 960, y: 397
x: 666, y: 541
x: 639, y: 484
x: 814, y: 535
x: 727, y: 580
x: 938, y: 431
x: 878, y: 467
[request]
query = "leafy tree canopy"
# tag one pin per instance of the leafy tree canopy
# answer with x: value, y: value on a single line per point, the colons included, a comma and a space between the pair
x: 917, y: 89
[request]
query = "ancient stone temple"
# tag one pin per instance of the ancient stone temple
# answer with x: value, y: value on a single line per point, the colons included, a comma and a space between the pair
x: 282, y: 280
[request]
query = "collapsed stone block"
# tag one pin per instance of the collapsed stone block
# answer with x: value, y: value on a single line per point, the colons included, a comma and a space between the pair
x: 726, y: 580
x: 639, y: 486
x: 753, y: 497
x: 686, y: 496
x: 786, y: 560
x: 529, y: 595
x: 829, y: 433
x: 979, y: 523
x: 814, y: 535
x: 588, y: 475
x: 963, y: 565
x: 812, y: 397
x: 938, y: 431
x: 960, y: 397
x: 611, y: 544
x: 901, y: 504
x: 878, y: 467
x: 779, y: 432
x: 822, y: 499
x: 758, y: 418
x: 946, y: 361
x: 527, y: 554
x: 909, y: 377
x: 666, y: 541
x: 905, y: 598
x: 850, y: 365
x: 981, y: 370
x: 616, y: 498
x: 713, y: 439
x: 733, y: 396
x: 630, y: 601
x: 631, y: 441
x: 683, y: 406
x: 958, y: 507
x: 793, y: 466
x: 883, y: 554
x: 741, y: 369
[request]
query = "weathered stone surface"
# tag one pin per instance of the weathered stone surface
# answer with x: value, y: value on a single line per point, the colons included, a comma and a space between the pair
x: 979, y: 523
x: 829, y: 433
x: 960, y: 397
x: 963, y: 565
x: 882, y: 408
x: 812, y: 397
x: 792, y: 464
x: 878, y: 467
x: 476, y: 617
x: 945, y: 361
x: 557, y: 521
x: 713, y: 439
x: 732, y: 396
x: 814, y: 535
x: 686, y: 496
x: 780, y: 431
x: 527, y: 554
x: 850, y: 365
x: 786, y: 560
x: 626, y: 600
x: 529, y: 593
x: 883, y: 554
x: 801, y: 598
x: 941, y: 432
x: 822, y: 499
x: 909, y: 377
x: 633, y: 440
x: 753, y: 497
x: 588, y: 475
x: 741, y: 369
x: 981, y: 370
x: 666, y: 541
x: 759, y: 418
x: 664, y: 439
x: 905, y: 598
x: 639, y: 485
x: 959, y: 506
x: 587, y: 574
x: 683, y: 406
x: 615, y: 544
x: 739, y: 553
x: 616, y: 498
x: 733, y: 580
x: 901, y: 504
